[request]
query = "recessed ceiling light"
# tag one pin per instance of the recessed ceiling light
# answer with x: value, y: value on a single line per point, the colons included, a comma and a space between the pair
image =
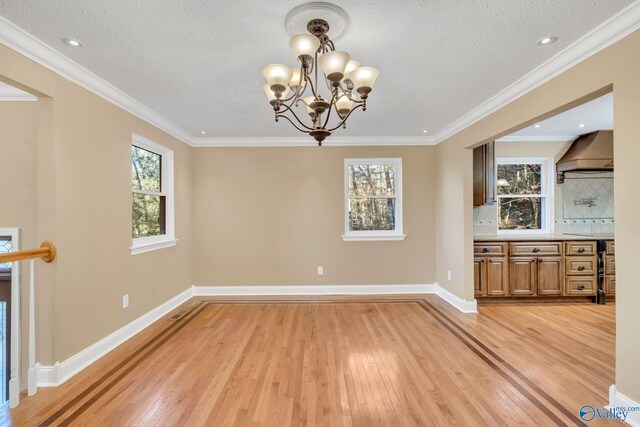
x: 581, y: 125
x: 203, y: 133
x: 536, y: 126
x: 72, y: 42
x: 547, y: 40
x: 425, y: 131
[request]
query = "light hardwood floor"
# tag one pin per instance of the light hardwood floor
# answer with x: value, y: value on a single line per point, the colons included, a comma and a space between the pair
x: 369, y: 362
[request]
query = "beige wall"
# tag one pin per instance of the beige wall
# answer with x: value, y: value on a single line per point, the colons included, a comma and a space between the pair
x: 83, y: 204
x: 18, y: 169
x: 549, y: 149
x: 617, y: 66
x: 270, y: 216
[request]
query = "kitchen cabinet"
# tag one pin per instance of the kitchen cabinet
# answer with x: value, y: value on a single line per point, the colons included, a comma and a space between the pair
x: 491, y: 276
x: 484, y: 173
x: 516, y: 269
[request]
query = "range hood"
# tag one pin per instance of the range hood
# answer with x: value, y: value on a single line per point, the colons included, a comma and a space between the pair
x: 588, y: 153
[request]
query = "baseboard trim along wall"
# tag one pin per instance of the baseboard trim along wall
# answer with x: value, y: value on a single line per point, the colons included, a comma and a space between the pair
x: 617, y: 401
x: 53, y: 376
x: 463, y: 305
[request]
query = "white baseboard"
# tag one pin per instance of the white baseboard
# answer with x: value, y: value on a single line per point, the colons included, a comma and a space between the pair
x: 53, y: 376
x: 312, y: 290
x: 617, y: 400
x: 462, y: 305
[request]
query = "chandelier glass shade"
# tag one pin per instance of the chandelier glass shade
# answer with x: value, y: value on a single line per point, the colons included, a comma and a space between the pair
x: 345, y: 82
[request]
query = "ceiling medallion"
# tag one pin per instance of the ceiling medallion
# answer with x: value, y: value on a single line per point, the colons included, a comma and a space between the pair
x: 321, y: 65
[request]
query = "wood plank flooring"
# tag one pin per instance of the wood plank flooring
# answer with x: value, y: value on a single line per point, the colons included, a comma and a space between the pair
x: 373, y: 362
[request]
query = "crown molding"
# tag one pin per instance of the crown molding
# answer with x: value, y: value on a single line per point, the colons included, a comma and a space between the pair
x: 615, y: 28
x: 10, y: 93
x: 537, y: 138
x: 307, y: 141
x: 21, y: 41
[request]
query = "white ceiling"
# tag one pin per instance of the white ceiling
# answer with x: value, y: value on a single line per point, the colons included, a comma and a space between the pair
x: 595, y: 115
x: 10, y: 93
x: 199, y: 63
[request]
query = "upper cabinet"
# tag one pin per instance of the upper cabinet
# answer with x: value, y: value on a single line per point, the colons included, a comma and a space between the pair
x: 484, y: 172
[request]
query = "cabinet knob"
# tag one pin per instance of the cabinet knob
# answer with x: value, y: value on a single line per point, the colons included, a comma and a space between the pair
x: 581, y: 250
x: 580, y: 287
x: 485, y: 250
x: 536, y: 249
x: 581, y: 268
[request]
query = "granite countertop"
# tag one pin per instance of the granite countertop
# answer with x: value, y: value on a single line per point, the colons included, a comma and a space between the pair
x: 535, y: 237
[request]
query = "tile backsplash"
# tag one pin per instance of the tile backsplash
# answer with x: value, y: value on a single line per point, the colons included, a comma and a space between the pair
x: 572, y: 213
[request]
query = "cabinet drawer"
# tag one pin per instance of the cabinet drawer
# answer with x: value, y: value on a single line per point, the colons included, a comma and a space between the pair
x: 578, y: 285
x: 609, y: 264
x: 580, y: 265
x: 580, y: 248
x: 611, y: 247
x: 490, y: 248
x: 535, y: 248
x: 610, y: 285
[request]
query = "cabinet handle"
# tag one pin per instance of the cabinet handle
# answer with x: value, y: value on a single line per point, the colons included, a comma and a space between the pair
x: 485, y: 250
x: 581, y: 250
x: 580, y: 287
x: 581, y: 268
x: 536, y: 249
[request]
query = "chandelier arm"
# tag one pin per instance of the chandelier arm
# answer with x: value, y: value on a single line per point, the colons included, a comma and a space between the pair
x: 333, y: 99
x: 313, y: 88
x: 292, y: 123
x: 345, y: 118
x: 296, y: 117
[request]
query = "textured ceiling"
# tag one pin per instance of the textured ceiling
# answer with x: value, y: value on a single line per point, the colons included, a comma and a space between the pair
x: 199, y: 63
x: 594, y: 115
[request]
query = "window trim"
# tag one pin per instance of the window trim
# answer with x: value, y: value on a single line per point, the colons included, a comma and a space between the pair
x: 145, y: 244
x: 374, y: 235
x: 547, y: 194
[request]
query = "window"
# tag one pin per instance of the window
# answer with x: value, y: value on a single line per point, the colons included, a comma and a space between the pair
x: 523, y: 192
x: 373, y: 199
x: 152, y: 196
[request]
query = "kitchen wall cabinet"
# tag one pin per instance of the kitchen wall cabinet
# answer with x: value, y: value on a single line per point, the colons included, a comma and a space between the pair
x: 484, y: 173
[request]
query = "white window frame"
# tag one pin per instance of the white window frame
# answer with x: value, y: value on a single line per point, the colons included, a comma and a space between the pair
x: 547, y: 193
x: 397, y: 234
x: 151, y: 243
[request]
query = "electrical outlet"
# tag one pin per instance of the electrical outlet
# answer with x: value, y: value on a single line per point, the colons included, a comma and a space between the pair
x: 320, y: 270
x: 125, y: 301
x: 448, y: 275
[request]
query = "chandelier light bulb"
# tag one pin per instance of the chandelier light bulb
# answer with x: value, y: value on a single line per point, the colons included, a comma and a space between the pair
x: 272, y: 96
x: 343, y: 105
x: 296, y: 79
x: 304, y: 44
x: 351, y: 65
x: 333, y: 64
x: 278, y: 77
x: 363, y: 79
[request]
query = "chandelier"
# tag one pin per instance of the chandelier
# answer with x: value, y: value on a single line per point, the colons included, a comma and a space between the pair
x: 286, y: 87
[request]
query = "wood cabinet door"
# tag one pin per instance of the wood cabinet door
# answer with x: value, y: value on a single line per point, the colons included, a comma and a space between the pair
x: 610, y: 285
x: 479, y: 277
x: 550, y: 274
x: 522, y: 275
x: 497, y: 283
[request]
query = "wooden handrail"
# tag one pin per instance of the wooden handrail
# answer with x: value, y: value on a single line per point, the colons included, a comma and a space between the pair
x: 46, y: 252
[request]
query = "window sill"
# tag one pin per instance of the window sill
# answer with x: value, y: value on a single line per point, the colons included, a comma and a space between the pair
x: 372, y: 237
x: 142, y: 247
